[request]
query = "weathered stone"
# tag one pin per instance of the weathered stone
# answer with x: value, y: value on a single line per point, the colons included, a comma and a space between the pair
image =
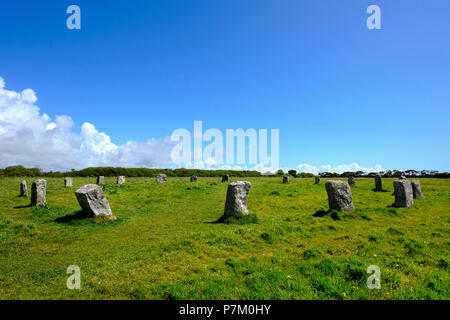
x: 194, y: 179
x: 403, y: 194
x: 351, y: 180
x: 317, y: 179
x: 100, y: 180
x: 285, y: 179
x: 237, y: 196
x: 92, y: 200
x: 23, y: 189
x: 339, y: 195
x: 161, y: 178
x: 417, y: 190
x: 38, y: 192
x: 225, y: 178
x: 378, y: 183
x: 68, y: 182
x: 403, y: 178
x: 120, y: 180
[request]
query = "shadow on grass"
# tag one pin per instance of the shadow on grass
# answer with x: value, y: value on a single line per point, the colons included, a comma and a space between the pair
x: 238, y: 218
x: 382, y: 190
x: 79, y: 215
x: 20, y: 207
x: 337, y: 215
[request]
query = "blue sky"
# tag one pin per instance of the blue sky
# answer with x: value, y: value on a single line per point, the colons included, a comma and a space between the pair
x: 338, y: 92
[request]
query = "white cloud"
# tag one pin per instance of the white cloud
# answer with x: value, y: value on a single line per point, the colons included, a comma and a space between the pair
x: 30, y: 138
x: 304, y: 167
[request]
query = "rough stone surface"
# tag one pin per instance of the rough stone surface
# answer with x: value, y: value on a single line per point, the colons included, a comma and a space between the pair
x: 38, y: 192
x: 339, y: 195
x: 161, y: 178
x: 237, y: 196
x: 120, y: 180
x: 225, y: 178
x: 351, y: 180
x: 403, y: 178
x: 100, y: 180
x: 317, y: 180
x: 417, y: 190
x: 92, y: 200
x: 403, y: 194
x: 378, y: 183
x: 68, y: 182
x: 285, y: 179
x: 194, y: 179
x: 23, y: 189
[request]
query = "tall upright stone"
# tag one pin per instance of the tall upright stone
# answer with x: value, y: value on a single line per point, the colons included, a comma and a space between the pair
x: 120, y: 179
x: 38, y: 192
x: 194, y: 179
x: 339, y: 195
x: 68, y: 182
x: 100, y: 179
x: 417, y: 190
x: 237, y: 196
x: 351, y: 180
x: 285, y: 179
x: 23, y: 189
x: 403, y: 194
x: 317, y: 178
x: 378, y: 183
x: 161, y: 178
x: 93, y: 201
x: 225, y: 178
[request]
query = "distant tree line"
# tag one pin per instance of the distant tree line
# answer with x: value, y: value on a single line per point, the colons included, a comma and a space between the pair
x: 20, y: 171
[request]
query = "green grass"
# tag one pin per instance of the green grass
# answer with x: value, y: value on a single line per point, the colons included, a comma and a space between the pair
x: 165, y: 243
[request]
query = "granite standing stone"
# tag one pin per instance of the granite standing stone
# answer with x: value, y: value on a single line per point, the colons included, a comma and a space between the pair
x: 417, y: 190
x: 23, y: 189
x: 237, y: 196
x: 225, y: 178
x: 317, y: 180
x: 100, y: 179
x: 194, y: 179
x: 92, y: 200
x: 403, y: 194
x: 285, y: 179
x: 161, y: 178
x: 68, y: 182
x: 351, y: 180
x: 339, y: 195
x: 38, y: 192
x: 120, y: 179
x: 378, y: 183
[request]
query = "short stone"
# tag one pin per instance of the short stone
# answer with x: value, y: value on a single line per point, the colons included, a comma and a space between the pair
x: 339, y: 195
x: 351, y: 180
x: 194, y: 179
x: 403, y: 194
x: 120, y: 179
x: 161, y: 178
x: 378, y: 183
x: 225, y: 178
x: 237, y: 196
x: 317, y: 178
x: 92, y: 200
x: 285, y: 179
x: 100, y: 179
x: 417, y: 190
x: 68, y: 182
x: 23, y: 189
x: 38, y: 192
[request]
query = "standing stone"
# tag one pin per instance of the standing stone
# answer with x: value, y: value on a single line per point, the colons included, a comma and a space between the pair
x: 339, y: 195
x: 403, y: 194
x: 417, y: 190
x: 317, y: 180
x: 237, y: 196
x: 194, y: 179
x: 351, y: 180
x: 120, y: 180
x: 68, y: 182
x: 38, y: 192
x: 225, y: 178
x: 378, y: 183
x: 403, y: 178
x: 161, y: 178
x: 23, y: 189
x: 285, y: 179
x: 92, y: 200
x: 100, y: 180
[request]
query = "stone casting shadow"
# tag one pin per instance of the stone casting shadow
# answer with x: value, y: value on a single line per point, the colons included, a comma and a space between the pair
x: 79, y: 215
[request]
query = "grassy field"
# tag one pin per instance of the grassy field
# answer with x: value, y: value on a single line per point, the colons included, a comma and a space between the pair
x: 164, y: 244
